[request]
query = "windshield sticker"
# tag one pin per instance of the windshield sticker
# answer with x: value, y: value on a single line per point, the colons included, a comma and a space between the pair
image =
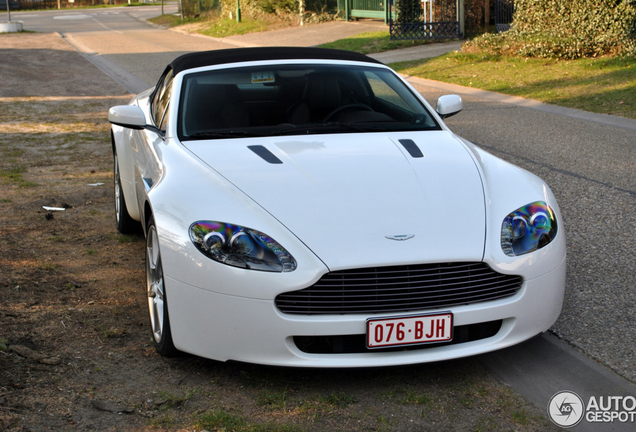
x: 262, y: 77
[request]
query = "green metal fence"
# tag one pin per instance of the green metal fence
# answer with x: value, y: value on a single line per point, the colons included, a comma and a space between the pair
x: 428, y: 19
x: 364, y: 9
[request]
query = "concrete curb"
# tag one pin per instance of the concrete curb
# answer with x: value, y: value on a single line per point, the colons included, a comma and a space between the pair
x: 216, y: 39
x: 545, y: 365
x: 127, y: 80
x: 417, y: 52
x: 11, y: 27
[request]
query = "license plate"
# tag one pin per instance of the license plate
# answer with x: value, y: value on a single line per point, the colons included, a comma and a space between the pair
x: 408, y: 330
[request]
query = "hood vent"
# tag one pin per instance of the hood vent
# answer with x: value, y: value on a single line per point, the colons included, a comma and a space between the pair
x: 265, y: 154
x: 412, y: 148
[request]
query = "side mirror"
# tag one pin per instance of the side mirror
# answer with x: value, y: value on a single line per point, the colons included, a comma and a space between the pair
x: 449, y: 105
x: 128, y: 116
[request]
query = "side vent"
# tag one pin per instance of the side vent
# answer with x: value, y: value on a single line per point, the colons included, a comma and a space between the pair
x: 265, y: 154
x: 412, y: 148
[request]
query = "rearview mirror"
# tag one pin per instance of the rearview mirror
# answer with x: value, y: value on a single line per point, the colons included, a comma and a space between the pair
x: 449, y: 105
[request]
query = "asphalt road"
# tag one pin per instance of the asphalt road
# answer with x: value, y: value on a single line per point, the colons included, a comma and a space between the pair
x: 590, y: 166
x: 121, y: 37
x: 589, y: 161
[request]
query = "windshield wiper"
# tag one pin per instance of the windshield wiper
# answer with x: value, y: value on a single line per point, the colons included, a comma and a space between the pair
x: 324, y: 127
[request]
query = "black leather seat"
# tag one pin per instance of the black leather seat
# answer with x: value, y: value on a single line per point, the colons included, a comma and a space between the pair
x: 214, y: 106
x: 321, y: 96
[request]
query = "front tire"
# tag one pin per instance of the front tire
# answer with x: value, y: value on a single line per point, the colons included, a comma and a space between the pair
x: 156, y: 293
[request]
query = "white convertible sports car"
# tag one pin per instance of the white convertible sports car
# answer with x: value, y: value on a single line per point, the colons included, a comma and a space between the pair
x: 307, y: 207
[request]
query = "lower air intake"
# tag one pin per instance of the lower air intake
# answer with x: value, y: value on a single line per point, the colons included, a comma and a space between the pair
x: 356, y: 344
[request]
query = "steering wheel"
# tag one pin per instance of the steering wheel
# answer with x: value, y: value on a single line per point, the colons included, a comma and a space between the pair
x: 353, y: 106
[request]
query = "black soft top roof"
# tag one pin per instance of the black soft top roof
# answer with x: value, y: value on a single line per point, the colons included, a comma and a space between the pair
x: 236, y: 55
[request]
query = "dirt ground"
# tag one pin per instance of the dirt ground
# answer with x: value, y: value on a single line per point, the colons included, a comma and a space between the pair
x: 73, y: 308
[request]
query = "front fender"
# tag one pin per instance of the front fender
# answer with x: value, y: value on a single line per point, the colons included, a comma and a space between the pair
x: 121, y: 139
x: 508, y: 188
x: 190, y: 191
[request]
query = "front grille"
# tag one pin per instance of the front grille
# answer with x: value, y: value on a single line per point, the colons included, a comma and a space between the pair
x: 400, y: 289
x: 356, y: 344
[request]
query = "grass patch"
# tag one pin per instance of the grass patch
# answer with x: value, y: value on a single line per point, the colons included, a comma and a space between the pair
x: 602, y: 85
x: 175, y: 20
x: 50, y: 267
x: 371, y: 42
x: 164, y: 421
x: 220, y: 420
x: 272, y: 399
x: 485, y: 423
x: 127, y: 239
x: 112, y: 332
x: 175, y: 401
x: 338, y: 400
x: 215, y: 27
x: 521, y: 417
x: 228, y: 27
x: 280, y: 400
x: 14, y: 152
x: 14, y: 175
x: 21, y: 31
x: 382, y: 423
x: 415, y: 398
x: 223, y: 421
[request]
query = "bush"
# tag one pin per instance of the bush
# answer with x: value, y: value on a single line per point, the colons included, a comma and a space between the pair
x: 315, y: 10
x: 192, y: 8
x: 408, y: 11
x: 474, y: 16
x: 565, y: 29
x: 278, y: 6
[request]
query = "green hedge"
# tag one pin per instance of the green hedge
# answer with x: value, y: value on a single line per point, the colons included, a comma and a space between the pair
x: 408, y: 11
x: 566, y: 29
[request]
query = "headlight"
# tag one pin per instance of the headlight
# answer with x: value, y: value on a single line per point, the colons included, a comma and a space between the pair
x: 528, y: 229
x: 240, y: 247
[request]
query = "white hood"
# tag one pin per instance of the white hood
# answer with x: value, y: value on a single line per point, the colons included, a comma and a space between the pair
x: 343, y: 195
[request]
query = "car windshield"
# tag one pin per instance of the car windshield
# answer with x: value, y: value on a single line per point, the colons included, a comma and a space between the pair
x: 297, y: 99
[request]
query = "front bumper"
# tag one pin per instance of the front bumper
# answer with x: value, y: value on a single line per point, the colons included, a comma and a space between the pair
x: 224, y: 327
